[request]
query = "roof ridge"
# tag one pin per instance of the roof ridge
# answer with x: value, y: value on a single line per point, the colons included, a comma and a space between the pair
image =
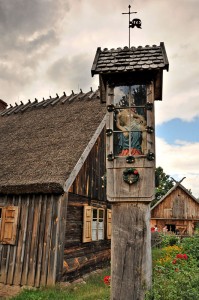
x: 131, y: 48
x: 51, y: 101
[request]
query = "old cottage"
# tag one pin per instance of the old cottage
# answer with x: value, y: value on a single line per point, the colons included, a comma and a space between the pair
x: 54, y: 217
x: 177, y: 211
x: 55, y: 221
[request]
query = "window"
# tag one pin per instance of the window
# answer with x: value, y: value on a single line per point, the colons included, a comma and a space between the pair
x: 130, y: 120
x: 94, y: 224
x: 97, y: 224
x: 8, y: 224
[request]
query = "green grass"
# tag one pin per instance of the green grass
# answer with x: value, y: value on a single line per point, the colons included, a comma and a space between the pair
x: 93, y: 289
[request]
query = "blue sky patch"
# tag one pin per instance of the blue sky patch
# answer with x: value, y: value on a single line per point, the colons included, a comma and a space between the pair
x: 177, y: 129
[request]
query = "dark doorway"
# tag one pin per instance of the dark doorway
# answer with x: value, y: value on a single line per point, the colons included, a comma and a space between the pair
x: 171, y: 227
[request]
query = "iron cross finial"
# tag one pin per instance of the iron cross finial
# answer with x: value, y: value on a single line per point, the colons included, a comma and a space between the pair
x: 134, y: 23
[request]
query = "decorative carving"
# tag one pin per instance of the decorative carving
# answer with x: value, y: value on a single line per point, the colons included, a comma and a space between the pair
x: 135, y: 23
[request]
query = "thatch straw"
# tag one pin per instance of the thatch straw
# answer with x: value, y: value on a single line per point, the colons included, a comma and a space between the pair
x: 40, y: 145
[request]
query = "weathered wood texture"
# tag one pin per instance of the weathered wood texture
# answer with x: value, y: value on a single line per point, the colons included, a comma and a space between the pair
x: 36, y: 258
x: 89, y: 182
x: 130, y: 251
x: 117, y: 189
x: 178, y: 209
x: 79, y: 257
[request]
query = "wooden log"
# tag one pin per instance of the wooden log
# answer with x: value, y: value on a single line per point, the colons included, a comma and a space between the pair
x: 10, y: 202
x: 26, y: 261
x: 62, y: 229
x: 34, y: 242
x: 130, y: 251
x: 7, y: 264
x: 3, y: 264
x: 12, y: 261
x: 20, y: 272
x: 54, y: 243
x: 46, y: 245
x: 20, y: 245
x: 82, y: 265
x: 41, y: 242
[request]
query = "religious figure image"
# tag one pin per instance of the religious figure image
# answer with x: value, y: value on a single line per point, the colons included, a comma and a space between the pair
x: 132, y: 139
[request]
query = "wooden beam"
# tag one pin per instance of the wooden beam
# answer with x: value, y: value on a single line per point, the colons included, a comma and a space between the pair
x: 130, y: 251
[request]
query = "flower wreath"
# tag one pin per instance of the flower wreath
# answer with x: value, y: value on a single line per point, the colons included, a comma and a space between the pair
x: 130, y: 175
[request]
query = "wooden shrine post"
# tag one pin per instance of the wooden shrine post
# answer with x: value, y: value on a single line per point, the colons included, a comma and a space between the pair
x: 130, y: 81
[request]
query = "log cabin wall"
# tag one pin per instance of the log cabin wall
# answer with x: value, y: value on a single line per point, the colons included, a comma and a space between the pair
x: 178, y: 209
x: 37, y: 257
x: 87, y: 189
x: 79, y: 257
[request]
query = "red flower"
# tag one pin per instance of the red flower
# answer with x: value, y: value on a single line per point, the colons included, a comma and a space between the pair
x: 107, y: 280
x: 182, y: 256
x: 135, y: 172
x: 174, y: 261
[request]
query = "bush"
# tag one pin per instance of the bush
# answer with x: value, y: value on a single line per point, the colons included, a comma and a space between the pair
x: 176, y: 272
x: 191, y: 246
x: 169, y: 240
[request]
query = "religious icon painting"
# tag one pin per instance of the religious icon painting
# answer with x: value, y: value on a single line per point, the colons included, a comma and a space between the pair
x: 130, y: 122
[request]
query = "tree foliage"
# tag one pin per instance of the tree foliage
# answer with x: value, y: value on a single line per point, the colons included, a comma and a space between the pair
x: 163, y: 184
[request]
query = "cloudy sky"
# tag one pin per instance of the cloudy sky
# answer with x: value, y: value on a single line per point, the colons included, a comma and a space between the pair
x: 48, y: 47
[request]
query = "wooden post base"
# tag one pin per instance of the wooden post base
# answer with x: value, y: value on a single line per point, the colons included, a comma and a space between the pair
x: 131, y: 263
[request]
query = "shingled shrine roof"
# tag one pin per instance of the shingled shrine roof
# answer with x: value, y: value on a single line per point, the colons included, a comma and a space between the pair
x: 130, y: 59
x: 41, y: 142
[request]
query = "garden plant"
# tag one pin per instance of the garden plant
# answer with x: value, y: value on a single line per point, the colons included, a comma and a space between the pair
x: 175, y: 276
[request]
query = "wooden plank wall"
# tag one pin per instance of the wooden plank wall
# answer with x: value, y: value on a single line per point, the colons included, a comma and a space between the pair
x: 179, y: 209
x: 179, y: 204
x: 89, y: 182
x: 37, y: 257
x: 80, y: 258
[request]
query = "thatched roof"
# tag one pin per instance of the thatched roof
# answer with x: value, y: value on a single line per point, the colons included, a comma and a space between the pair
x: 41, y: 142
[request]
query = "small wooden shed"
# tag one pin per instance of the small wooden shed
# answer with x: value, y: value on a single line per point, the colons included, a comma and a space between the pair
x: 54, y: 217
x: 178, y: 210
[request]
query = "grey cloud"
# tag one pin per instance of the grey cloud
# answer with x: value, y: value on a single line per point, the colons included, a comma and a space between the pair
x: 46, y: 38
x: 27, y: 16
x: 25, y: 22
x: 29, y: 30
x: 72, y: 72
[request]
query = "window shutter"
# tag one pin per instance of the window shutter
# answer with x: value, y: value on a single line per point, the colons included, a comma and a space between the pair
x: 87, y: 224
x: 9, y: 224
x: 108, y: 233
